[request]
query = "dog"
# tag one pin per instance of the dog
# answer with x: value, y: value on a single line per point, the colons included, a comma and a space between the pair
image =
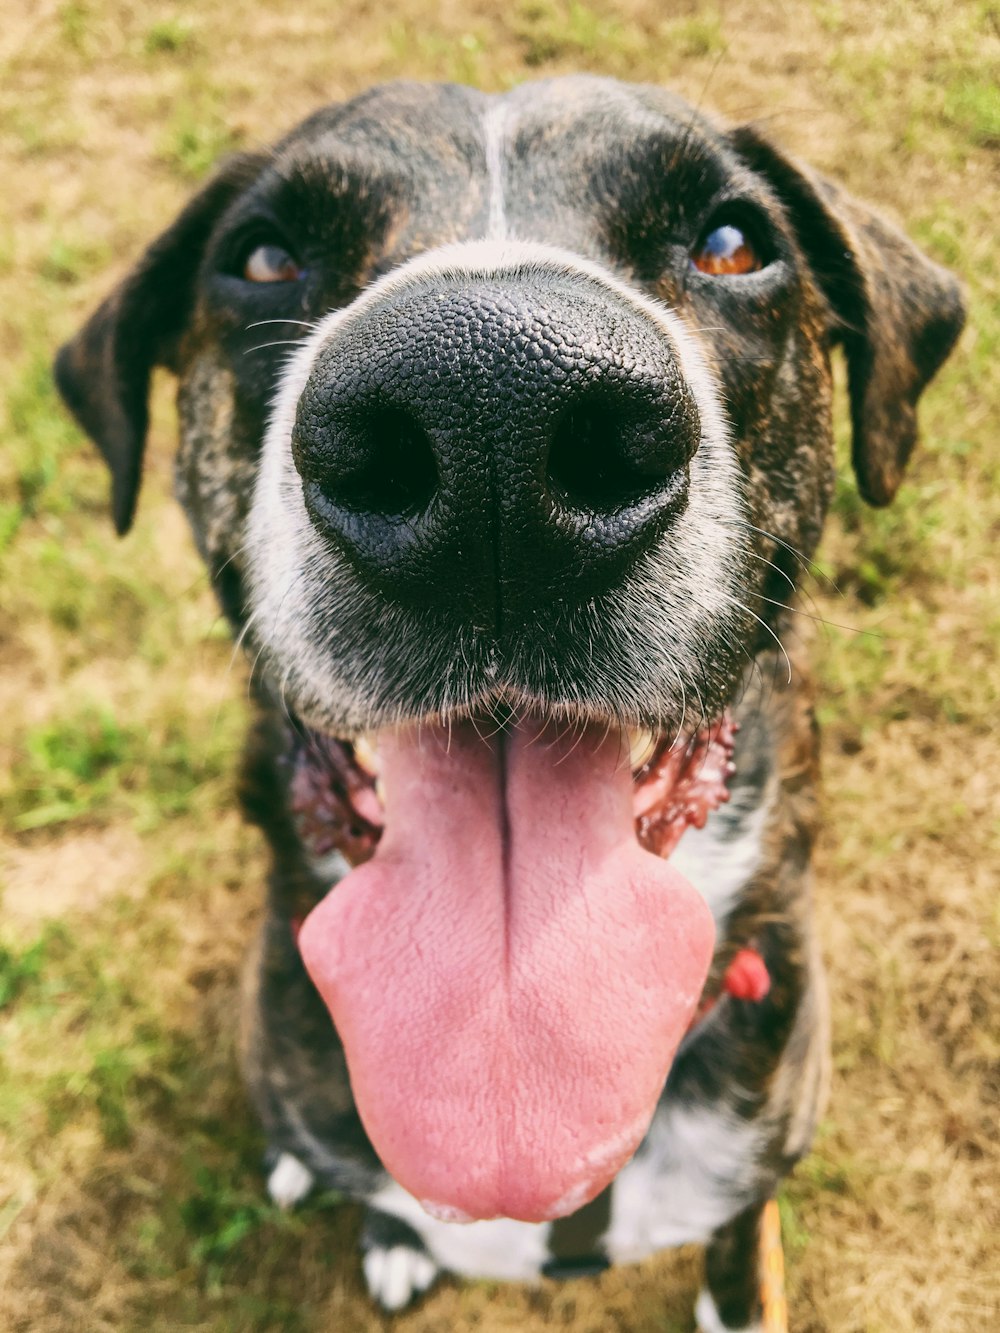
x: 505, y: 435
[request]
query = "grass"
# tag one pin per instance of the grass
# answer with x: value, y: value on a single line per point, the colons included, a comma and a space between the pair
x: 196, y: 140
x: 131, y: 1193
x: 169, y: 36
x: 552, y: 29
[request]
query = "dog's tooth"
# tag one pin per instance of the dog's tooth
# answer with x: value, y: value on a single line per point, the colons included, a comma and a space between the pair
x: 640, y: 744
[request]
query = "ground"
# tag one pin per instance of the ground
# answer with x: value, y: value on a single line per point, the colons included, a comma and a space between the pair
x: 130, y: 1189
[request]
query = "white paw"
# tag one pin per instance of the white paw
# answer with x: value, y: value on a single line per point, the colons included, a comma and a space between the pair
x: 707, y: 1317
x: 289, y: 1182
x: 396, y: 1275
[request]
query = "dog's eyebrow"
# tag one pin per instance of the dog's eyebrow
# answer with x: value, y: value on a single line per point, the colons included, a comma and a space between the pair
x: 313, y: 188
x: 335, y: 167
x: 668, y: 176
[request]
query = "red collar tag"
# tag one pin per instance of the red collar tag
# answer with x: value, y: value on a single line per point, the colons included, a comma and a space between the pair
x: 746, y: 978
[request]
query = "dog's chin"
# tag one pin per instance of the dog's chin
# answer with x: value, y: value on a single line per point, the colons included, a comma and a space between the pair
x: 510, y: 876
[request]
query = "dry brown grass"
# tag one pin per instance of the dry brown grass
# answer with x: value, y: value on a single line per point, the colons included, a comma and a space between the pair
x: 129, y: 1194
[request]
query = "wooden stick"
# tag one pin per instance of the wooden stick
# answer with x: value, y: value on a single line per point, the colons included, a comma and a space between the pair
x: 772, y: 1271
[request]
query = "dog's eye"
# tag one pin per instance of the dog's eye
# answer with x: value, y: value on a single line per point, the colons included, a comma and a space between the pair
x: 271, y: 263
x: 726, y: 250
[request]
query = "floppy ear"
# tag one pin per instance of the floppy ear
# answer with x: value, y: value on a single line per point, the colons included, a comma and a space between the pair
x: 896, y: 313
x: 103, y: 373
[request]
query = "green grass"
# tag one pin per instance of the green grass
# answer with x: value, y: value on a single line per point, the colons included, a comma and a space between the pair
x: 20, y: 969
x: 196, y: 140
x: 39, y: 438
x: 86, y: 766
x: 170, y: 36
x: 551, y: 30
x: 699, y: 36
x: 973, y: 107
x: 132, y: 1192
x: 75, y: 21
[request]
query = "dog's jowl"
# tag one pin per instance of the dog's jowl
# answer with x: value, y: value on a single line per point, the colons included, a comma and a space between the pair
x: 505, y: 434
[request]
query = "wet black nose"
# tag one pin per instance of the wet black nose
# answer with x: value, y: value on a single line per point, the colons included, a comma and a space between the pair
x: 487, y: 445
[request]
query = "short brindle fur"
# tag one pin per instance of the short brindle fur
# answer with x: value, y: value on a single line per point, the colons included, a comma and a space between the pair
x: 628, y: 179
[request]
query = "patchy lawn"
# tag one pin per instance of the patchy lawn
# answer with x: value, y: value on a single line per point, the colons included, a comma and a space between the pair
x: 130, y: 1192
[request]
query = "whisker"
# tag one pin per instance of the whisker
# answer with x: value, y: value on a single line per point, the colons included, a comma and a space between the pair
x: 781, y: 647
x: 680, y: 685
x: 281, y: 342
x: 821, y: 620
x: 801, y: 591
x: 233, y: 555
x: 311, y: 324
x: 777, y: 568
x: 240, y: 639
x: 808, y: 564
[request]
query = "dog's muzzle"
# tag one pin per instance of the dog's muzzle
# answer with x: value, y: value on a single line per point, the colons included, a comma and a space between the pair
x: 485, y: 444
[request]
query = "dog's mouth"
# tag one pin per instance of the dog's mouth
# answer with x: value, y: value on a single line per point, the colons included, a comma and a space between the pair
x: 512, y: 962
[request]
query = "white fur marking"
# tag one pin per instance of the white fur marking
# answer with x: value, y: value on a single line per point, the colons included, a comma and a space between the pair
x: 396, y: 1275
x: 707, y: 1316
x: 330, y: 868
x: 720, y: 867
x: 499, y: 1248
x: 493, y: 130
x: 290, y: 1181
x: 695, y: 1172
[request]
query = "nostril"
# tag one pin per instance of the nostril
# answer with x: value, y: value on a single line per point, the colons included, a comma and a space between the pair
x: 603, y: 457
x: 398, y: 475
x: 369, y: 459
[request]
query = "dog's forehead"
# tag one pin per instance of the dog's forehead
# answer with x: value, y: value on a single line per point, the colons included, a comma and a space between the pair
x: 397, y: 129
x: 406, y: 121
x: 503, y: 161
x: 587, y: 116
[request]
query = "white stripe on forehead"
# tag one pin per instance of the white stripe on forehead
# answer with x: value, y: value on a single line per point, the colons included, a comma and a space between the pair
x: 494, y: 127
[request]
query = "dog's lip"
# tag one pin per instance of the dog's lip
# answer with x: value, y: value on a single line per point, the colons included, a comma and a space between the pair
x: 338, y: 801
x: 643, y: 747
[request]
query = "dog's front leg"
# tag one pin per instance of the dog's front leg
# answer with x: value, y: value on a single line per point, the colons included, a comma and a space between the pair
x: 397, y: 1265
x: 730, y: 1301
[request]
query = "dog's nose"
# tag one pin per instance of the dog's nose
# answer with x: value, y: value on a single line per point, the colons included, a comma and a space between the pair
x: 482, y: 446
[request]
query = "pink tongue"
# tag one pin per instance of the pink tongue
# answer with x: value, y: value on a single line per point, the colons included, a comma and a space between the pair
x: 511, y: 973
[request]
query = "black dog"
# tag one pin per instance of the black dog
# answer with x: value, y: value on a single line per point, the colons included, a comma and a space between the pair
x: 530, y: 494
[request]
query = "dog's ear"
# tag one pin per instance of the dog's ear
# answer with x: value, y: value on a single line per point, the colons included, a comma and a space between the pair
x: 895, y: 312
x: 104, y: 372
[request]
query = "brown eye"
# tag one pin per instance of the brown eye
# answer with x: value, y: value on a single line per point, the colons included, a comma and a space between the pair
x: 270, y: 263
x: 725, y: 250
